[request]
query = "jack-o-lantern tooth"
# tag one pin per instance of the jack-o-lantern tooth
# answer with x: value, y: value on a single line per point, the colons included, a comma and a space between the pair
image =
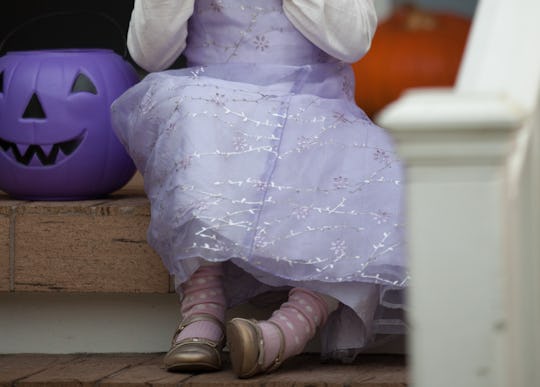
x: 4, y: 145
x: 68, y: 147
x: 47, y: 158
x: 22, y: 148
x: 47, y: 148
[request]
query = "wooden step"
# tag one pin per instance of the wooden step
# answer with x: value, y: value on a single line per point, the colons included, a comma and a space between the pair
x: 89, y: 256
x: 130, y: 370
x: 79, y: 246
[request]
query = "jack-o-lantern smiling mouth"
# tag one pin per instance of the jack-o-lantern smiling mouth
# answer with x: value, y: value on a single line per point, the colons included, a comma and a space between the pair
x: 35, y: 155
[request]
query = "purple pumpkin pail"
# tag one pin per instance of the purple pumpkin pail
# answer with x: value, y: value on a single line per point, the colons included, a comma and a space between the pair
x: 56, y: 139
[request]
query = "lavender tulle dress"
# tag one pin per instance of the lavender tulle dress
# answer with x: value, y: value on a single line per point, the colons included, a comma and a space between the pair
x: 256, y: 155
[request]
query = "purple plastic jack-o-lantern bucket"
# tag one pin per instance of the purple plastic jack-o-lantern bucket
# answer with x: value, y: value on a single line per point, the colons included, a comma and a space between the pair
x: 56, y: 140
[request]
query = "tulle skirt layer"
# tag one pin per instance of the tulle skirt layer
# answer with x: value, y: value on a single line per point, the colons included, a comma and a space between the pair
x: 275, y: 171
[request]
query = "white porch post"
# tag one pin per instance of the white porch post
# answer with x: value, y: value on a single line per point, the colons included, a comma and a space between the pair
x: 456, y: 176
x: 523, y: 261
x: 472, y: 155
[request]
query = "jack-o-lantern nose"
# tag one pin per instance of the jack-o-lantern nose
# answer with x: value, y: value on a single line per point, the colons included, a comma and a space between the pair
x: 34, y: 110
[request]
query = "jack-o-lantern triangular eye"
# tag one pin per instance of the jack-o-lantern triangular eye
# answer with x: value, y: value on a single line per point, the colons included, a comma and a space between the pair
x: 83, y: 84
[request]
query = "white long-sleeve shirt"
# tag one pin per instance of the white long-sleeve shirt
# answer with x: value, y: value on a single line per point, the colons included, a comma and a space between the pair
x: 343, y: 28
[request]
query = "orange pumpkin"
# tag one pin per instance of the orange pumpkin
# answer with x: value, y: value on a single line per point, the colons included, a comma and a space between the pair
x: 412, y: 48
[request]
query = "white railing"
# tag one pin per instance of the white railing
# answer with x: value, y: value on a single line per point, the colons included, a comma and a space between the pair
x: 472, y: 155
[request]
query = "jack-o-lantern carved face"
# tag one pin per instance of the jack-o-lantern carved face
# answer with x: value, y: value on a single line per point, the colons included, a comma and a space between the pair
x: 55, y: 135
x: 36, y: 155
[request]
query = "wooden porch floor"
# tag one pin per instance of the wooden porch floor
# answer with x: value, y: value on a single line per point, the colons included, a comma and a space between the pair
x: 130, y: 370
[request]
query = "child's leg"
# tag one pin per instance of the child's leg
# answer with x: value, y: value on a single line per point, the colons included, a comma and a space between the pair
x: 198, y: 340
x: 204, y: 295
x: 262, y: 346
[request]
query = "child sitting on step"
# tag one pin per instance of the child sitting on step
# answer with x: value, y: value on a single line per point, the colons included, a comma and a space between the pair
x: 264, y: 175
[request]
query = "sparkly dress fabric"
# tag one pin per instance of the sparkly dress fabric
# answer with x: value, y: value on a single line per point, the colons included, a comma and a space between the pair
x: 256, y: 155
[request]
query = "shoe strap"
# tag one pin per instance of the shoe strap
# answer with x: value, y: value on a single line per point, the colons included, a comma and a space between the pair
x: 279, y: 358
x: 197, y: 340
x: 198, y: 317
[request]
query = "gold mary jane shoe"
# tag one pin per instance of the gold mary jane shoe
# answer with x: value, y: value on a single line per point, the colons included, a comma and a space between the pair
x: 246, y: 347
x: 194, y: 354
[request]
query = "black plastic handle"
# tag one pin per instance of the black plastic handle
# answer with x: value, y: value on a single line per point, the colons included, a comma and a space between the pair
x: 34, y: 19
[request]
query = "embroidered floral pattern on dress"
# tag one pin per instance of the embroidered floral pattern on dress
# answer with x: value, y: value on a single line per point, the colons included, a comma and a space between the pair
x: 239, y: 142
x: 340, y: 182
x: 304, y: 143
x: 273, y: 164
x: 219, y: 99
x: 381, y: 216
x: 301, y: 212
x: 382, y: 156
x: 338, y: 247
x: 185, y: 162
x: 261, y: 42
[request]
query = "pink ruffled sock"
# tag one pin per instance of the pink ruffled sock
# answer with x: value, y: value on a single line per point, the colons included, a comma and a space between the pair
x: 204, y: 294
x: 298, y: 319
